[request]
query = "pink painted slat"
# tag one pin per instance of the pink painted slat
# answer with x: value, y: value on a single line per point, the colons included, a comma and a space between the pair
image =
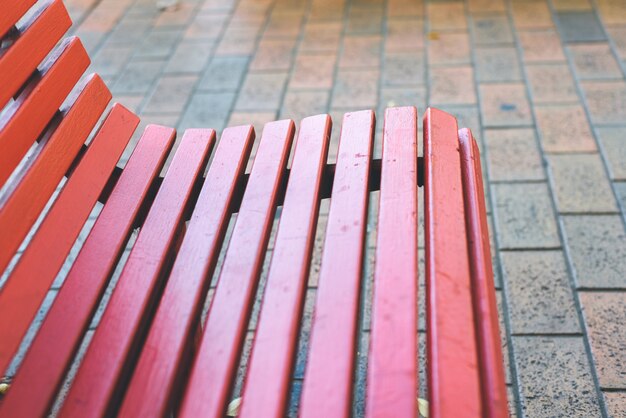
x: 96, y: 386
x: 38, y: 36
x: 35, y: 386
x: 453, y: 374
x: 22, y: 204
x: 485, y: 304
x: 38, y: 266
x: 392, y: 366
x: 218, y: 355
x: 11, y: 11
x: 31, y: 112
x: 171, y: 334
x: 270, y: 366
x: 327, y: 390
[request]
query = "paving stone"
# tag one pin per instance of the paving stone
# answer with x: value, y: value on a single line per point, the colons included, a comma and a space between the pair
x: 361, y: 20
x: 618, y: 35
x: 597, y: 250
x: 612, y: 12
x: 452, y: 85
x: 531, y: 15
x: 300, y: 104
x: 170, y: 95
x: 256, y: 119
x: 541, y: 46
x: 606, y: 100
x: 580, y: 27
x: 466, y: 117
x: 402, y: 96
x: 551, y: 83
x: 555, y: 377
x: 503, y: 339
x: 580, y: 184
x: 397, y: 8
x: 158, y: 43
x: 261, y: 91
x: 491, y: 30
x: 446, y: 15
x: 190, y: 57
x: 314, y: 71
x: 594, y: 61
x: 273, y: 54
x: 321, y: 36
x: 207, y: 110
x: 406, y: 34
x: 361, y: 52
x: 486, y: 6
x: 540, y: 296
x: 615, y: 404
x: 605, y: 317
x: 403, y: 69
x: 620, y: 189
x: 524, y: 217
x: 356, y: 89
x: 497, y: 64
x: 448, y: 48
x: 138, y: 77
x: 224, y: 74
x: 206, y: 27
x: 129, y: 31
x: 238, y: 41
x: 513, y: 155
x: 504, y: 105
x: 564, y: 129
x: 111, y: 59
x: 571, y: 5
x: 613, y: 141
x: 284, y: 24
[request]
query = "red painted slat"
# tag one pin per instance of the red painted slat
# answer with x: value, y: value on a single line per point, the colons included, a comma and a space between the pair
x: 43, y: 369
x: 167, y: 347
x: 97, y: 382
x: 453, y: 375
x: 392, y: 366
x: 218, y: 355
x: 38, y: 266
x: 29, y: 114
x: 36, y: 39
x: 485, y: 304
x: 327, y: 390
x: 270, y: 366
x: 22, y: 204
x: 11, y: 11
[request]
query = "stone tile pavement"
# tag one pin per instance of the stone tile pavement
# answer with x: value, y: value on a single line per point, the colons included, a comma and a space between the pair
x: 540, y: 82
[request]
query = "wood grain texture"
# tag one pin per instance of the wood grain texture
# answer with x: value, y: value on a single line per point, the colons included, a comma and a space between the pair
x: 36, y: 39
x: 41, y: 261
x: 11, y: 11
x: 392, y: 364
x: 269, y: 369
x: 29, y: 114
x: 327, y: 390
x: 222, y: 339
x: 170, y: 339
x: 41, y: 373
x: 485, y: 304
x: 25, y: 199
x: 453, y: 370
x: 97, y: 383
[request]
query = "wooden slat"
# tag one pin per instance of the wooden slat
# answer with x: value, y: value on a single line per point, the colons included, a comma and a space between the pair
x: 23, y: 203
x: 36, y: 40
x: 392, y: 366
x: 98, y: 380
x: 485, y: 304
x: 327, y: 390
x: 270, y: 366
x: 168, y: 344
x: 218, y: 355
x: 43, y: 369
x: 453, y: 375
x: 11, y: 11
x: 38, y: 266
x: 26, y: 118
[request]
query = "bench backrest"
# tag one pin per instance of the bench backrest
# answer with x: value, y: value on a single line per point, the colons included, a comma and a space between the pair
x: 46, y: 141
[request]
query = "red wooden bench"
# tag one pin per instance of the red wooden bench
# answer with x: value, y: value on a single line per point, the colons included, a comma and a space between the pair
x: 149, y: 355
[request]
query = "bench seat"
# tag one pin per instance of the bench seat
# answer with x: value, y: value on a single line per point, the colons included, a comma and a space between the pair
x: 188, y: 250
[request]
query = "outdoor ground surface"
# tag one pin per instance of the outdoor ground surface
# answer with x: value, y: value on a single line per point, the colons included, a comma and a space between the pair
x: 541, y: 84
